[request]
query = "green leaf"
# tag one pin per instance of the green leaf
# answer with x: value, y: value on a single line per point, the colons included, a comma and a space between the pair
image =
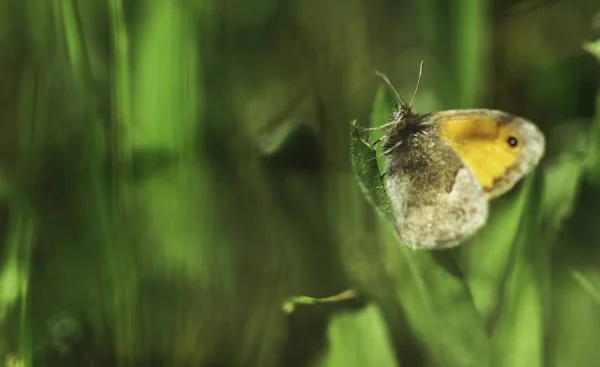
x: 363, y: 156
x: 364, y: 166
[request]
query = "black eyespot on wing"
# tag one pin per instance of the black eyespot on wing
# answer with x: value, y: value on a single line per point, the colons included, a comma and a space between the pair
x: 512, y: 141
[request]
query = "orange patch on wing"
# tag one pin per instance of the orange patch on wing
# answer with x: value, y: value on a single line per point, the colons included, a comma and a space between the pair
x: 481, y: 142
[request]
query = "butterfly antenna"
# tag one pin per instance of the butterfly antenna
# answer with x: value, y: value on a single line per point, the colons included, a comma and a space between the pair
x: 417, y: 87
x: 387, y: 81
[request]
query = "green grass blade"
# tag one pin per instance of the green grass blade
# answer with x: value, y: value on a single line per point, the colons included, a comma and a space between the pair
x: 486, y: 258
x: 519, y: 336
x: 426, y: 285
x: 359, y: 339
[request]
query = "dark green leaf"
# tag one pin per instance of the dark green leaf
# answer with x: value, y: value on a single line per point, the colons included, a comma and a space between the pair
x: 364, y: 166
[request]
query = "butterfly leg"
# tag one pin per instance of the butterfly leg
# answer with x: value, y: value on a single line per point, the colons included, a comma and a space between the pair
x: 373, y: 144
x: 380, y: 127
x: 389, y: 150
x: 366, y: 141
x: 354, y: 123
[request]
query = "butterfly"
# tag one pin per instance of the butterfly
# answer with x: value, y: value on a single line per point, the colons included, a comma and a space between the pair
x: 443, y: 168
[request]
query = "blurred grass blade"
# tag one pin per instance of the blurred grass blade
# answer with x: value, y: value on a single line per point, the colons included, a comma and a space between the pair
x: 519, y: 337
x: 486, y: 258
x: 74, y: 45
x: 472, y: 43
x: 359, y: 339
x: 564, y: 172
x: 121, y: 267
x: 587, y: 285
x: 593, y: 48
x: 430, y: 289
x: 594, y: 167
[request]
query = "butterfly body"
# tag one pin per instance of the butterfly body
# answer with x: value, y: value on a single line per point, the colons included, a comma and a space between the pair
x: 444, y: 167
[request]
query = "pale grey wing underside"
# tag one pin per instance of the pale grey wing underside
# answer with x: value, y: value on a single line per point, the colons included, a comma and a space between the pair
x: 439, y: 205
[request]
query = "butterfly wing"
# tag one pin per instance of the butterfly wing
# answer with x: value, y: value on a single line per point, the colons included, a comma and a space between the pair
x: 436, y: 200
x: 497, y: 147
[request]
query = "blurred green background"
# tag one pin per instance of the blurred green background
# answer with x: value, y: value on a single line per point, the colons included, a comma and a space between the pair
x: 172, y: 170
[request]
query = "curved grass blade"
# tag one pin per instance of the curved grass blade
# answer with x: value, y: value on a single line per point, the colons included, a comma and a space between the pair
x: 427, y: 286
x: 519, y: 335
